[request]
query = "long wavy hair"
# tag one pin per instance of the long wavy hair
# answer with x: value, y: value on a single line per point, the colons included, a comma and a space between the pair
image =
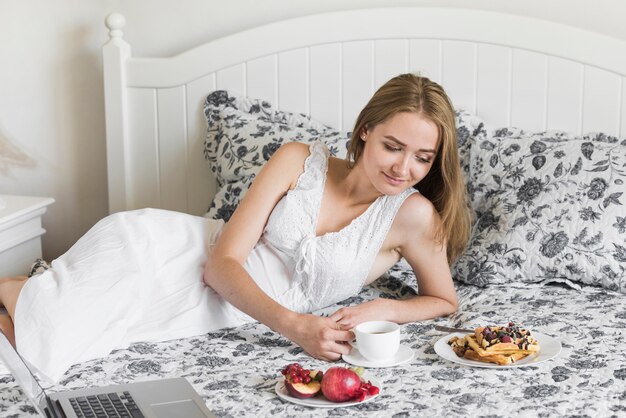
x: 443, y: 185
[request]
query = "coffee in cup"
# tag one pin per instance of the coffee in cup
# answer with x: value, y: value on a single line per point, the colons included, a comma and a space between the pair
x: 377, y: 340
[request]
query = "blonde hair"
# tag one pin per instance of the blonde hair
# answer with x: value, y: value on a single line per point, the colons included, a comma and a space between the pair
x: 443, y: 185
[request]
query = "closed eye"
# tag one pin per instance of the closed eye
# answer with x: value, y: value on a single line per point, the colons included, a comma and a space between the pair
x: 392, y: 148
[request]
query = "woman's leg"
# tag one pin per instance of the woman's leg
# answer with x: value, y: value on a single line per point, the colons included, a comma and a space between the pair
x: 9, y: 291
x: 10, y: 288
x: 6, y: 326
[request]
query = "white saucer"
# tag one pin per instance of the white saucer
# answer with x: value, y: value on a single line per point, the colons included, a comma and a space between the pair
x: 403, y: 355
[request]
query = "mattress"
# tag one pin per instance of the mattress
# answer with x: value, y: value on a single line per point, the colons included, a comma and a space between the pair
x: 236, y: 370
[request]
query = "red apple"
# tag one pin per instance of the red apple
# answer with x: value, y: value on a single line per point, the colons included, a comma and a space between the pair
x: 340, y: 384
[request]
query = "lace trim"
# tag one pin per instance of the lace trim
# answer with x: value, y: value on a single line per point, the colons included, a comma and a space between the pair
x: 312, y: 178
x: 384, y: 228
x: 315, y: 167
x: 355, y: 221
x: 378, y: 219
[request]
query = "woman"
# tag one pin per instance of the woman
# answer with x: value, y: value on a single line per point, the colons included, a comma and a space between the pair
x: 311, y: 231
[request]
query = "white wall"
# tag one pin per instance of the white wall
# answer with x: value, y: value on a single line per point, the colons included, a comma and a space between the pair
x: 51, y: 99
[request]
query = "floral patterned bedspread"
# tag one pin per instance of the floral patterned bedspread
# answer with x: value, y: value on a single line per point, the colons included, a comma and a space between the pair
x: 235, y: 370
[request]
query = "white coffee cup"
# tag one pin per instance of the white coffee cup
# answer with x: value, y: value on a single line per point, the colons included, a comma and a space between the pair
x: 377, y: 340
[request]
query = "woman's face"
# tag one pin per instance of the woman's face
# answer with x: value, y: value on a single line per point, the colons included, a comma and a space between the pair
x: 399, y: 152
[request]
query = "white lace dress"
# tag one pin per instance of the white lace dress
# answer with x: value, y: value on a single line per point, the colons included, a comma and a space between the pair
x: 137, y: 276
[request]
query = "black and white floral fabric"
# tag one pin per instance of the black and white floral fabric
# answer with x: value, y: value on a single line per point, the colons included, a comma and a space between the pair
x: 243, y: 133
x: 550, y: 207
x: 235, y: 370
x: 470, y: 129
x: 39, y: 266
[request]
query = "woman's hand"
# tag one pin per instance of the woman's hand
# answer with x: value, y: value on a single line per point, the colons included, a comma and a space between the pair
x: 321, y: 337
x: 374, y: 310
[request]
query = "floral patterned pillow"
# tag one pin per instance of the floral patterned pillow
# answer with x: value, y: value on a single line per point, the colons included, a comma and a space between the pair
x: 470, y: 129
x: 550, y: 207
x: 243, y: 134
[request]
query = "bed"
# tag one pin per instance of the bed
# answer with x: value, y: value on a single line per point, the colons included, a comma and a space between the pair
x: 541, y: 115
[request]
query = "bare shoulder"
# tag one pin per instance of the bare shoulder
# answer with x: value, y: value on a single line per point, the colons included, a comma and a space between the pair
x: 417, y: 214
x: 292, y: 151
x: 288, y: 161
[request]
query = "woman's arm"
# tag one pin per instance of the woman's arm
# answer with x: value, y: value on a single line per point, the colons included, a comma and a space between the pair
x: 413, y: 236
x: 224, y: 270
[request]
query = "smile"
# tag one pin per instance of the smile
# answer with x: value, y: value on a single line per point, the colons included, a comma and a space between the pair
x: 393, y: 180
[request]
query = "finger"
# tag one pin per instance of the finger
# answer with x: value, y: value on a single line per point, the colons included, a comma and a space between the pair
x: 336, y: 316
x: 332, y: 357
x: 341, y: 348
x: 335, y: 353
x: 346, y: 323
x: 346, y: 349
x: 341, y: 326
x: 342, y: 335
x: 328, y: 355
x: 342, y: 320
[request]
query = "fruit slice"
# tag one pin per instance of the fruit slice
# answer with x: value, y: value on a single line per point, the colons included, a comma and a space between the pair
x: 303, y: 390
x: 302, y: 383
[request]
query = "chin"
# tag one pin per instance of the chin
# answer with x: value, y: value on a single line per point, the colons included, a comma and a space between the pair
x: 390, y: 190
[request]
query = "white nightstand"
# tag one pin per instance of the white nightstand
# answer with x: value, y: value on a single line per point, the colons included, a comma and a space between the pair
x: 20, y: 232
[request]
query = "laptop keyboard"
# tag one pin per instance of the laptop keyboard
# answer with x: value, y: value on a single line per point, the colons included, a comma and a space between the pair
x: 106, y: 405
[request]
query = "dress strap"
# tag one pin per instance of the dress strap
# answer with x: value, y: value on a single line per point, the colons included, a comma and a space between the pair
x: 376, y: 227
x: 315, y: 167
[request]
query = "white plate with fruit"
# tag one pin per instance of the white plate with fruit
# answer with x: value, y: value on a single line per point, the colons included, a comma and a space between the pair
x: 336, y: 387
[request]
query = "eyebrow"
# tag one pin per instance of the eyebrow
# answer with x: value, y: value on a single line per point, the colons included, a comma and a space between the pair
x: 397, y: 141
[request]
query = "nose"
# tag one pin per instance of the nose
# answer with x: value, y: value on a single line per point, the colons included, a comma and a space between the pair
x: 401, y: 166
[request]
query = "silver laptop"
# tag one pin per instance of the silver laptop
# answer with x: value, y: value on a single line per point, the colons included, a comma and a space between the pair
x: 164, y: 398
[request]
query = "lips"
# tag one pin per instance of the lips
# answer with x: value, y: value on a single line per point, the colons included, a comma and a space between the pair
x: 394, y: 180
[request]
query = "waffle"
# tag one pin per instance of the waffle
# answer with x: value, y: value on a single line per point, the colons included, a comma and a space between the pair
x: 500, y: 359
x: 494, y: 344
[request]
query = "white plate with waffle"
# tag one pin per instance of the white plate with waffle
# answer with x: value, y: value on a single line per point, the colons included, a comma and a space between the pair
x: 550, y: 348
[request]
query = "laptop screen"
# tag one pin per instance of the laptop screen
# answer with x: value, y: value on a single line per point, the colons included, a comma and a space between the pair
x: 22, y: 374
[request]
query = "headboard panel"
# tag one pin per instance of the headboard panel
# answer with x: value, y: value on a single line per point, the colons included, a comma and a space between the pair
x: 509, y: 70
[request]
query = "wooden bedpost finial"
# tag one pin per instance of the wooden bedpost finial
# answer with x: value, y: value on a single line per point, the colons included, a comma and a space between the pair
x: 115, y: 22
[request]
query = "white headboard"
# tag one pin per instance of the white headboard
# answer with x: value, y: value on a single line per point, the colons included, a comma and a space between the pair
x: 509, y: 70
